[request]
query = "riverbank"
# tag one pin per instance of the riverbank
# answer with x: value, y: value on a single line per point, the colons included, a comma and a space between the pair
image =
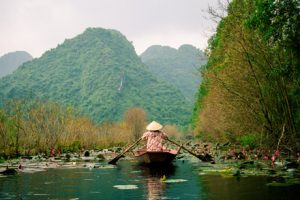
x: 88, y: 159
x: 282, y: 167
x: 228, y: 162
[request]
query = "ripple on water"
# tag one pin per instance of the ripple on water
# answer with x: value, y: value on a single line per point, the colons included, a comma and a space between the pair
x: 7, y: 196
x: 95, y: 192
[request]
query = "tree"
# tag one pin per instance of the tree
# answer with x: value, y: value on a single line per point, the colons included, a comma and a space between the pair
x: 172, y: 131
x: 135, y: 118
x: 7, y: 132
x: 250, y: 81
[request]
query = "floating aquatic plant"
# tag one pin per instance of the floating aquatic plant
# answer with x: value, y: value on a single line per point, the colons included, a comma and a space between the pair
x: 175, y: 180
x: 126, y: 187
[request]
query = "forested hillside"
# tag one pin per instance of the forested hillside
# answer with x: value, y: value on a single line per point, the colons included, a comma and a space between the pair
x: 180, y: 68
x: 100, y: 76
x: 11, y: 61
x: 251, y: 91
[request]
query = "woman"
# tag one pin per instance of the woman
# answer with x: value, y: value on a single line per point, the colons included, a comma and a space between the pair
x: 155, y: 137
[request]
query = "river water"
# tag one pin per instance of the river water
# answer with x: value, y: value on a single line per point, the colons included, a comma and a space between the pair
x: 129, y: 180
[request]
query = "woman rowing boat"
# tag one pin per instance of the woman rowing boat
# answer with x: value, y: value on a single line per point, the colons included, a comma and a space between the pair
x: 155, y: 137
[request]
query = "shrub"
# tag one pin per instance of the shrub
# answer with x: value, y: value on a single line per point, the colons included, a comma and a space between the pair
x: 249, y: 140
x: 75, y: 146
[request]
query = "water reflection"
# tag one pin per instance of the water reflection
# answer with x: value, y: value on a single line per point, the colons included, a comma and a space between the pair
x: 153, y: 175
x: 156, y: 170
x: 155, y: 188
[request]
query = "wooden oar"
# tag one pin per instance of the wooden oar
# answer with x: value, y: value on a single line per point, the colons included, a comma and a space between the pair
x: 115, y: 159
x: 201, y: 157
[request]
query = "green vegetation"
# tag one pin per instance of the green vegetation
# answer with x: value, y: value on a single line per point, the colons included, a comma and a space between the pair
x: 251, y: 80
x: 99, y: 75
x: 249, y: 140
x: 33, y: 127
x: 250, y: 92
x: 179, y: 68
x: 11, y: 61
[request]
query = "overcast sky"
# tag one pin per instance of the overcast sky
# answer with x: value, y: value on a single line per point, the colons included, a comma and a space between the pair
x: 36, y: 26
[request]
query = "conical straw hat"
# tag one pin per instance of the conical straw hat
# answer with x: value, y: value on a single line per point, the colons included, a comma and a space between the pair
x: 154, y: 126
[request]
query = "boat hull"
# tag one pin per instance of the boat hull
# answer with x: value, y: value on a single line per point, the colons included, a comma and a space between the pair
x: 153, y: 157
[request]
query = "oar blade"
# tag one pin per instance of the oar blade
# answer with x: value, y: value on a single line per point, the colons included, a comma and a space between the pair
x: 115, y: 159
x: 206, y: 158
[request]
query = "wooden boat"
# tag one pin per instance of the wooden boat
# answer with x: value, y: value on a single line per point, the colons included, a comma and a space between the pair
x: 155, y: 157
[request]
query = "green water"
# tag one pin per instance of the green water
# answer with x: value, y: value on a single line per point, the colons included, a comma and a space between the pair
x: 183, y: 182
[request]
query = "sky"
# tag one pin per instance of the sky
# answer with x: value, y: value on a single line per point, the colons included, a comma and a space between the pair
x: 36, y: 26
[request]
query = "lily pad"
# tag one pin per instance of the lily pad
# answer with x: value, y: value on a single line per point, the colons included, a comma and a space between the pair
x: 288, y: 182
x: 49, y: 182
x: 39, y: 194
x: 277, y: 184
x: 218, y: 171
x: 126, y: 187
x: 174, y: 181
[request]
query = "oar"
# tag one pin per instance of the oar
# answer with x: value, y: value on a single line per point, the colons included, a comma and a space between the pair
x: 115, y: 159
x: 201, y: 157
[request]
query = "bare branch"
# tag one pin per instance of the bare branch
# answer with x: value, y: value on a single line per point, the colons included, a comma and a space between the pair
x: 220, y: 12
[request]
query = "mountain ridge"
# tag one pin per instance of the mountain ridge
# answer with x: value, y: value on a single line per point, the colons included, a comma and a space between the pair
x: 9, y: 62
x: 86, y: 72
x: 179, y: 67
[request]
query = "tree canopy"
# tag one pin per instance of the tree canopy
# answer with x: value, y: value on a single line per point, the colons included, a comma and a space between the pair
x: 251, y: 81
